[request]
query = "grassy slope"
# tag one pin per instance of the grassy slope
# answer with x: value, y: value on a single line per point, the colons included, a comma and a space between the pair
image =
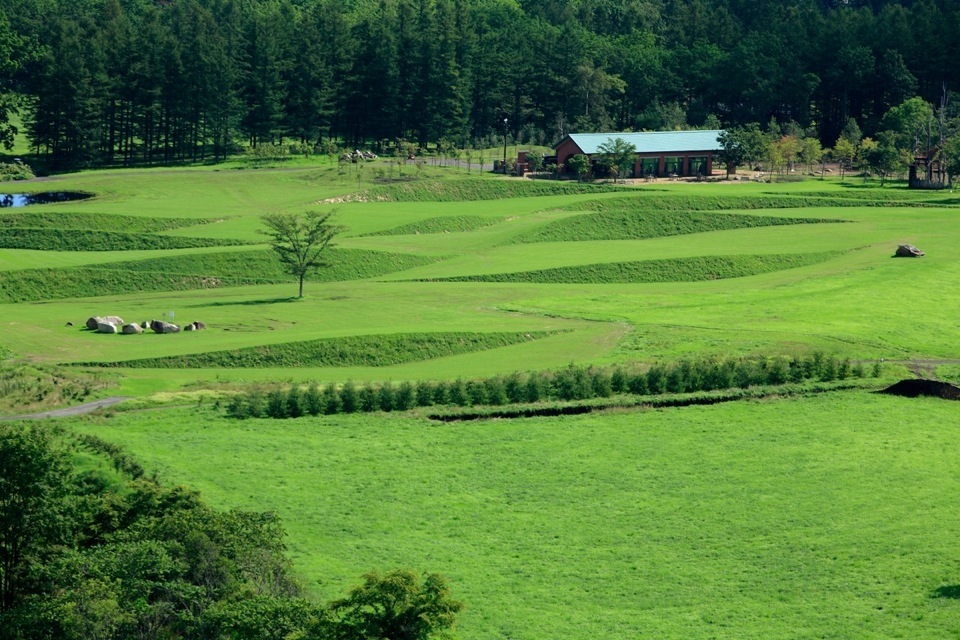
x: 812, y: 517
x: 859, y: 304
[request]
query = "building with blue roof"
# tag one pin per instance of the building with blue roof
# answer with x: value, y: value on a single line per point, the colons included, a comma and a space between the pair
x: 659, y: 153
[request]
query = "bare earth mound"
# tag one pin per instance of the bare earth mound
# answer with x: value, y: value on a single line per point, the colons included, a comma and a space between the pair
x: 915, y: 388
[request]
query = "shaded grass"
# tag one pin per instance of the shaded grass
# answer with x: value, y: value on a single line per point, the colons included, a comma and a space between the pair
x: 193, y: 271
x: 635, y: 224
x: 85, y: 282
x: 671, y: 270
x: 473, y: 189
x: 98, y: 222
x: 810, y: 517
x: 446, y: 224
x: 87, y: 240
x: 369, y: 350
x: 344, y: 264
x: 685, y: 202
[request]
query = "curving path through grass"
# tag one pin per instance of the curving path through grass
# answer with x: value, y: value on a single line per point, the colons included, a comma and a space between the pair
x: 69, y: 412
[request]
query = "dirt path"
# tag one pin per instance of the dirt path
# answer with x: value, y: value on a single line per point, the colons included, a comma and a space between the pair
x: 80, y: 409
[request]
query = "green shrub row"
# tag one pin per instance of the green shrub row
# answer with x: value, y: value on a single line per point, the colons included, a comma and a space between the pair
x: 636, y: 224
x: 475, y: 189
x: 84, y: 282
x: 87, y: 240
x: 345, y: 264
x: 648, y: 271
x: 449, y: 224
x: 569, y: 384
x: 98, y: 222
x: 349, y: 351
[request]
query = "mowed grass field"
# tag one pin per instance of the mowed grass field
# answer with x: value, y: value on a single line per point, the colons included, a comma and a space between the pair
x: 833, y: 515
x: 656, y: 272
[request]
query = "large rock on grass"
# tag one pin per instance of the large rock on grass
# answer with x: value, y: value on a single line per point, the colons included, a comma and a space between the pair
x: 159, y: 326
x: 94, y: 322
x: 908, y: 251
x: 106, y: 327
x: 132, y: 328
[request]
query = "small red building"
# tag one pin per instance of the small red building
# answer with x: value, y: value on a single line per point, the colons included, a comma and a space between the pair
x: 659, y: 153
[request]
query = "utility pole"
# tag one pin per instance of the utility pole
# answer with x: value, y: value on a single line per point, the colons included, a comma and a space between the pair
x: 505, y: 146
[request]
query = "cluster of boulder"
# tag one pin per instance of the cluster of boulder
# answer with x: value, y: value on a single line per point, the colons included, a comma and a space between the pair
x: 115, y: 324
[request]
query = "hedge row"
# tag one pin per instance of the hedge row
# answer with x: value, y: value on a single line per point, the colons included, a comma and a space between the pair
x: 568, y: 384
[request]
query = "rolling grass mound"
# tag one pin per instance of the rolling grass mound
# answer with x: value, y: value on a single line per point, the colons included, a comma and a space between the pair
x: 907, y: 197
x: 194, y: 271
x: 345, y: 264
x: 679, y: 202
x: 88, y: 240
x: 350, y: 351
x: 469, y: 190
x: 646, y: 271
x: 449, y: 224
x: 98, y: 222
x: 635, y: 224
x: 31, y: 285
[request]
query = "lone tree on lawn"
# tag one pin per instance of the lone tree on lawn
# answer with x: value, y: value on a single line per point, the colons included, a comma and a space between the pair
x: 300, y: 240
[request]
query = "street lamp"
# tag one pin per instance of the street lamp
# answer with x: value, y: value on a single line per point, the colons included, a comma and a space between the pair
x: 504, y: 146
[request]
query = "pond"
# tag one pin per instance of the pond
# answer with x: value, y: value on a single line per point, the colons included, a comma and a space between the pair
x: 49, y: 197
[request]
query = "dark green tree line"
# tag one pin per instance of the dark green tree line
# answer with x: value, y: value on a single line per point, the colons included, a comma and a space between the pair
x: 131, y: 82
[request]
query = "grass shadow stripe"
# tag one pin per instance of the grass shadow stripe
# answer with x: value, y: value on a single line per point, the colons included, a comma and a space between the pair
x: 696, y: 269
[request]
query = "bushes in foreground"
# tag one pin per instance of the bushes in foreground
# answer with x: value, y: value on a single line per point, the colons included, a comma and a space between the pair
x: 571, y: 383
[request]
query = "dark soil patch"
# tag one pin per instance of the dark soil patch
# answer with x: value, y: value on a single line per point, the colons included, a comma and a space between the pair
x: 539, y: 412
x: 916, y: 388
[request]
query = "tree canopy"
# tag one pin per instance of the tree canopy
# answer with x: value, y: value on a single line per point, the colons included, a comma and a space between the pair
x: 110, y: 82
x: 300, y: 241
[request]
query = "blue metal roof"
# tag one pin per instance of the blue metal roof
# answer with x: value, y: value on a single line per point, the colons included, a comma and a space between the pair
x: 652, y: 141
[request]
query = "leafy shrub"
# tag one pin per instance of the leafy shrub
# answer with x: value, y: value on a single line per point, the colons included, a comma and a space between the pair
x: 10, y: 171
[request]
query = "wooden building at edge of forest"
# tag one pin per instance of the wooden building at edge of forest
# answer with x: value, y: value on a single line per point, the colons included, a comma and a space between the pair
x: 659, y: 153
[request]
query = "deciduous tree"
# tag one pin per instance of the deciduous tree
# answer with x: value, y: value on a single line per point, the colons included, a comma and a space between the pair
x: 398, y: 605
x: 300, y: 241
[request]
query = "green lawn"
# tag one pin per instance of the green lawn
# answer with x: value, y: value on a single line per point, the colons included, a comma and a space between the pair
x: 849, y: 298
x: 832, y: 516
x: 826, y: 516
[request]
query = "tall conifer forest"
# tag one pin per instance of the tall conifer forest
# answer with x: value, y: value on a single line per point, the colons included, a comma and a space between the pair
x: 134, y: 82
